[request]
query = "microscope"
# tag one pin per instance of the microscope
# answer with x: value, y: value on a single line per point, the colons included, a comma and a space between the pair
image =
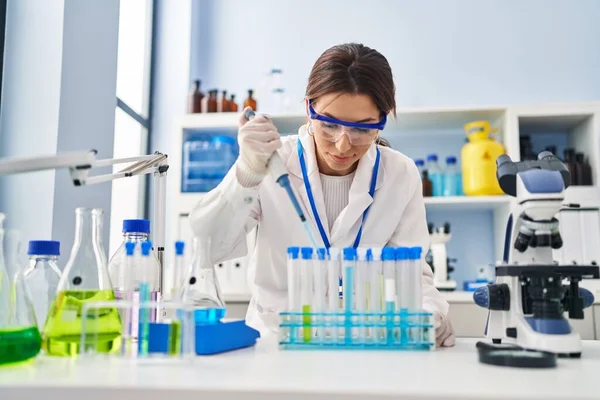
x: 532, y: 292
x: 438, y: 257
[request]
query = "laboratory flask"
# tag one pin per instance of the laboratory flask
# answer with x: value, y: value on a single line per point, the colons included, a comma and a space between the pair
x: 20, y: 338
x: 136, y: 231
x: 201, y: 288
x: 84, y: 280
x: 42, y: 275
x: 479, y: 157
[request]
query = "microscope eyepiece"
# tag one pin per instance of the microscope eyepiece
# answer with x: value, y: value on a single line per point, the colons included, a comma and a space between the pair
x: 546, y: 155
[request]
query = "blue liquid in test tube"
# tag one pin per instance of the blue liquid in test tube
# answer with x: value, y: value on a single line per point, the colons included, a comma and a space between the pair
x: 349, y: 267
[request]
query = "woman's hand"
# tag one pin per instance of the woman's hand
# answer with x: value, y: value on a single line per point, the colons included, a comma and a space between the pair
x: 444, y: 332
x: 258, y: 140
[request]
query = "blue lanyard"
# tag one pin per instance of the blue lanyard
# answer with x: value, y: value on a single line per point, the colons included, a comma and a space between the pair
x: 311, y: 199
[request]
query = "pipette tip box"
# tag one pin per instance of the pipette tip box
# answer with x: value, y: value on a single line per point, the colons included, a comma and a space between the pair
x: 363, y: 331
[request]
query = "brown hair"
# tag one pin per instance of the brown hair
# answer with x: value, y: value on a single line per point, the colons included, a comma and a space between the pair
x: 354, y: 68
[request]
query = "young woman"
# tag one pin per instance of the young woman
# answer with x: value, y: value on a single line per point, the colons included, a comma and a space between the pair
x: 331, y: 163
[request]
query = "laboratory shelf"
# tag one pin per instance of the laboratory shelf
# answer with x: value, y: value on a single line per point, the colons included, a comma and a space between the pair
x: 457, y: 203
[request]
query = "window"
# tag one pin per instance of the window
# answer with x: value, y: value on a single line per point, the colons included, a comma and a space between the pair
x: 132, y: 114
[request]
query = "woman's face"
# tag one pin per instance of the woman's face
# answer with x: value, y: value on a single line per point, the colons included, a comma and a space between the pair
x: 341, y: 157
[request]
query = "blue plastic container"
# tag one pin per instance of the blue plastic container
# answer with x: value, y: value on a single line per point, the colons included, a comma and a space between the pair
x: 224, y: 336
x: 452, y: 178
x: 206, y: 161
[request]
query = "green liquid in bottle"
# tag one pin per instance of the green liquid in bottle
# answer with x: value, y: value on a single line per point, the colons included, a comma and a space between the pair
x: 62, y: 331
x: 19, y: 344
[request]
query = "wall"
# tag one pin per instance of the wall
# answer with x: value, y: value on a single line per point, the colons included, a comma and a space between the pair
x: 58, y: 96
x: 464, y: 52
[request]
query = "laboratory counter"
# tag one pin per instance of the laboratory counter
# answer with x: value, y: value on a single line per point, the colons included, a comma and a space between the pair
x: 264, y: 372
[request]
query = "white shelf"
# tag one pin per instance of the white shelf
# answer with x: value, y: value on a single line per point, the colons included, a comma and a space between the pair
x: 466, y: 202
x: 286, y: 123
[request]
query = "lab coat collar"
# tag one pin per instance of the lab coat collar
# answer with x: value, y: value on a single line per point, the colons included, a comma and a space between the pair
x: 359, y: 198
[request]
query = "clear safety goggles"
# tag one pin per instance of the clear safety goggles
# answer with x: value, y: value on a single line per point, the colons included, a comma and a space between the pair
x: 333, y: 129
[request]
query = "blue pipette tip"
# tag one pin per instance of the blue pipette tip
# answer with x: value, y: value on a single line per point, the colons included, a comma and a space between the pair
x: 321, y: 252
x: 179, y: 246
x: 402, y: 253
x: 146, y: 247
x: 349, y: 254
x: 415, y: 253
x: 307, y: 253
x: 129, y: 248
x: 293, y: 251
x: 388, y: 254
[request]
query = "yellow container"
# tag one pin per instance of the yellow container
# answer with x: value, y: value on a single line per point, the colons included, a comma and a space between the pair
x: 478, y: 158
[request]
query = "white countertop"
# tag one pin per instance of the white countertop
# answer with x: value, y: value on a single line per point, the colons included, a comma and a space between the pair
x: 266, y: 372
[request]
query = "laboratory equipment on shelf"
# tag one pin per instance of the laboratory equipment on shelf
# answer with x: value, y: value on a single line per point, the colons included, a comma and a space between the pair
x: 439, y: 237
x: 478, y: 159
x: 212, y: 102
x: 201, y: 288
x: 233, y: 107
x: 435, y: 174
x: 380, y: 305
x: 250, y: 101
x: 427, y: 185
x: 452, y: 178
x: 42, y: 275
x: 195, y: 98
x: 224, y: 104
x: 528, y: 299
x: 84, y: 280
x: 280, y: 175
x: 584, y: 170
x: 206, y: 161
x: 20, y: 338
x: 138, y: 232
x: 421, y: 166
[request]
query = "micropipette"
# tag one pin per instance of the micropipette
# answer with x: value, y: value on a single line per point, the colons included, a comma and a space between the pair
x: 280, y: 175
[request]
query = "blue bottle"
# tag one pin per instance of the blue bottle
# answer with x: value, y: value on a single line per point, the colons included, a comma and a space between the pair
x: 421, y: 166
x: 436, y: 175
x: 452, y: 178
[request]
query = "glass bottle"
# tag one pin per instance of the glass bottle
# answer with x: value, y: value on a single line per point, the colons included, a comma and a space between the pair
x: 225, y: 107
x: 427, y: 185
x: 212, y: 101
x: 232, y: 105
x: 136, y: 231
x: 421, y: 166
x: 569, y: 160
x: 201, y: 288
x: 20, y: 338
x: 436, y: 175
x: 42, y: 275
x: 250, y: 102
x: 84, y: 280
x: 584, y: 171
x: 195, y: 98
x: 452, y: 178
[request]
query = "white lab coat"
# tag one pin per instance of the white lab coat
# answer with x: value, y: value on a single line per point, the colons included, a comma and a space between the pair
x: 396, y: 218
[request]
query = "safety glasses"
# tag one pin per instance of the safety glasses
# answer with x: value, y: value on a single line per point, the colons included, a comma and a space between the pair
x: 333, y: 129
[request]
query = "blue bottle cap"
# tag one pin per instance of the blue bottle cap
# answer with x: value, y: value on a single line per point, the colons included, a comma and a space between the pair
x: 43, y: 248
x: 321, y: 252
x: 349, y: 254
x: 419, y: 162
x: 388, y: 254
x: 179, y: 246
x: 432, y: 157
x: 136, y: 225
x: 293, y: 252
x: 129, y: 248
x: 369, y: 254
x: 146, y: 247
x: 307, y: 253
x: 450, y: 160
x: 402, y: 253
x: 415, y: 253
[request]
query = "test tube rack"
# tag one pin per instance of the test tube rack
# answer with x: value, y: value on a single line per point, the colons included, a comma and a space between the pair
x: 402, y: 330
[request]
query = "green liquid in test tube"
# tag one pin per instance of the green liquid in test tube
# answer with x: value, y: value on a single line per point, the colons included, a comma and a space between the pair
x: 306, y: 294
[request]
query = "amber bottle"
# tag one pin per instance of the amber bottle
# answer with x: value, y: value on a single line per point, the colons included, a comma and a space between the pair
x: 427, y: 185
x: 569, y: 160
x: 225, y: 106
x: 250, y: 102
x: 195, y: 98
x: 212, y: 101
x: 232, y: 106
x: 584, y: 171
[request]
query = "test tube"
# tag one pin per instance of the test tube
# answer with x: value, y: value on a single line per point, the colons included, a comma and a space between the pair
x: 293, y: 280
x: 320, y: 292
x: 306, y: 292
x: 388, y: 258
x: 375, y: 291
x: 415, y: 268
x: 178, y: 271
x: 348, y: 271
x: 333, y: 291
x: 362, y: 287
x: 404, y: 289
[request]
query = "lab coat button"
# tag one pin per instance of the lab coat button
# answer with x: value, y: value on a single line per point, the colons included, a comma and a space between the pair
x: 248, y: 199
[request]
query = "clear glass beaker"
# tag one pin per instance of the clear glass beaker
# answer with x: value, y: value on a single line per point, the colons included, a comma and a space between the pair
x: 85, y: 279
x: 20, y: 338
x: 201, y: 288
